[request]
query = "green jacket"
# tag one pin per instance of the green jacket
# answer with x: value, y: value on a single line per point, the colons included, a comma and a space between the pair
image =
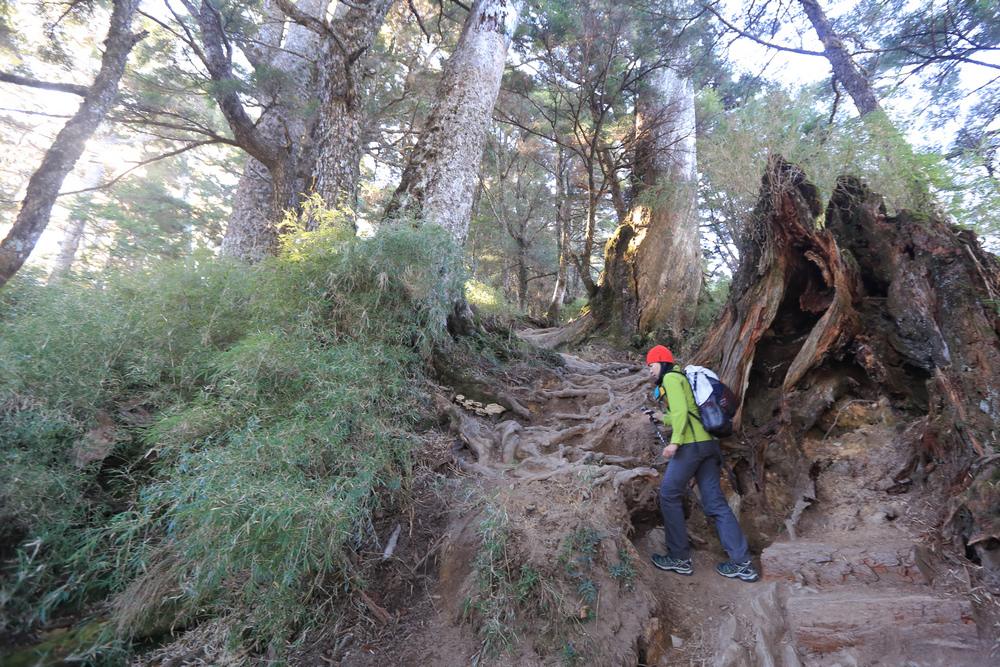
x: 681, y: 411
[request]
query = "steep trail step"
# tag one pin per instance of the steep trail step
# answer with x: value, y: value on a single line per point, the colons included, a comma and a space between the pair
x: 855, y: 581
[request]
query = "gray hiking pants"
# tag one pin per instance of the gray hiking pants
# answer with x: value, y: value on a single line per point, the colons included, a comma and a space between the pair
x: 701, y: 461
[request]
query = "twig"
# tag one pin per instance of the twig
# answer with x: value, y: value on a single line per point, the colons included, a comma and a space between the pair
x: 837, y: 418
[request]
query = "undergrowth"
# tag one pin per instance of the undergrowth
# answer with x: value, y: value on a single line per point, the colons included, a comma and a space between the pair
x: 260, y: 417
x: 493, y: 603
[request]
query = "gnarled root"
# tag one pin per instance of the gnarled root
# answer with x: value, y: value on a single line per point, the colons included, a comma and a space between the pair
x: 468, y: 430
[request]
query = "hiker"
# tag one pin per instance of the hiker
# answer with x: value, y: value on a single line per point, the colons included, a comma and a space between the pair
x: 692, y: 453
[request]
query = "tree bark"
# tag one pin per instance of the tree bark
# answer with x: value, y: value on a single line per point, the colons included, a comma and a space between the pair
x: 562, y: 240
x: 340, y: 138
x: 844, y: 69
x: 66, y: 149
x: 867, y: 307
x: 251, y: 234
x: 281, y: 168
x: 652, y: 272
x: 439, y: 182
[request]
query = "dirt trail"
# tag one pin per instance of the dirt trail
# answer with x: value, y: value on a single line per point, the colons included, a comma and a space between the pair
x: 857, y: 579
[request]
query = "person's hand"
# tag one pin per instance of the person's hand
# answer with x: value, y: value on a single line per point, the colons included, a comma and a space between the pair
x: 654, y: 415
x: 669, y: 450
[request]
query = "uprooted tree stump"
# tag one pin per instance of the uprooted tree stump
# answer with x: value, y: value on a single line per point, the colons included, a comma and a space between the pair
x: 860, y: 305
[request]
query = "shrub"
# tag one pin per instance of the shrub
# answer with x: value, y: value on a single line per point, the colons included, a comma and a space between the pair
x: 280, y: 394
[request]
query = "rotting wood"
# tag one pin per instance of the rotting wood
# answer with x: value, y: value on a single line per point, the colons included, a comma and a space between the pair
x: 866, y: 305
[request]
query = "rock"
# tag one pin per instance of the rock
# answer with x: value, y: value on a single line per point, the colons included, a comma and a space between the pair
x: 877, y: 620
x: 807, y: 561
x: 676, y: 641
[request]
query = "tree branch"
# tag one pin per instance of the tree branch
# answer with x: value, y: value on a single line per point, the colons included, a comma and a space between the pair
x: 754, y: 38
x: 306, y: 21
x: 137, y: 165
x: 36, y: 113
x: 420, y: 21
x: 73, y: 88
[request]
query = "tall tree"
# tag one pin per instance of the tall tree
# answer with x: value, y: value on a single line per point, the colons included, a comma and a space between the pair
x: 323, y: 59
x: 77, y: 222
x: 440, y: 178
x: 563, y: 219
x: 517, y: 195
x: 340, y: 140
x: 251, y: 232
x: 68, y: 146
x: 652, y: 273
x: 844, y: 67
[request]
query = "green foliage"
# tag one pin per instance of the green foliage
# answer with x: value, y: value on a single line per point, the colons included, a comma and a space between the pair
x: 734, y: 148
x: 44, y: 503
x: 578, y: 556
x: 575, y: 308
x: 488, y: 300
x: 280, y: 394
x: 173, y: 206
x: 493, y: 602
x: 569, y: 655
x: 624, y: 572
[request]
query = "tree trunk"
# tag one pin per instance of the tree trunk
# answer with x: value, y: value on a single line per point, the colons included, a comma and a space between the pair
x: 439, y: 182
x: 340, y: 140
x: 77, y: 222
x: 652, y: 264
x: 251, y: 234
x: 867, y: 307
x: 840, y: 60
x: 562, y: 240
x: 522, y: 274
x: 43, y: 188
x: 586, y: 255
x: 614, y: 183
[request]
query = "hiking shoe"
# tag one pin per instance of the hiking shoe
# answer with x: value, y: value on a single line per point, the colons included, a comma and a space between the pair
x: 678, y: 565
x: 744, y: 571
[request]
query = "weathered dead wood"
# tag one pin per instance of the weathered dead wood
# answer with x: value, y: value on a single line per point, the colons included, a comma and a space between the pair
x: 391, y: 546
x: 567, y: 433
x: 629, y: 475
x: 554, y: 473
x: 382, y: 615
x: 596, y: 434
x: 565, y: 416
x: 474, y: 469
x: 624, y: 461
x: 569, y: 393
x: 870, y: 305
x: 552, y: 339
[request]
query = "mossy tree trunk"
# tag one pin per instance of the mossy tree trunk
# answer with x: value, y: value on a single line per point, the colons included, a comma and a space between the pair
x: 652, y: 274
x: 340, y: 134
x: 868, y: 307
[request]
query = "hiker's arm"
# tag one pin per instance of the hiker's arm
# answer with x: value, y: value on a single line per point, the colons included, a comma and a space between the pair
x: 678, y: 415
